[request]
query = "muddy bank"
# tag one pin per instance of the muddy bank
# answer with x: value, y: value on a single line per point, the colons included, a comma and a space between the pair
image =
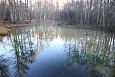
x: 19, y: 23
x: 4, y: 30
x: 24, y: 23
x: 6, y: 25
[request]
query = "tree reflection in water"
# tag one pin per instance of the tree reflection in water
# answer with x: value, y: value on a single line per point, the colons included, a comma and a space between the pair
x: 95, y: 52
x: 92, y: 49
x: 27, y: 43
x: 3, y: 67
x: 24, y: 51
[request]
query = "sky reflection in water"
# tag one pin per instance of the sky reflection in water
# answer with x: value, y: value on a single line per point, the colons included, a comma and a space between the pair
x: 51, y: 51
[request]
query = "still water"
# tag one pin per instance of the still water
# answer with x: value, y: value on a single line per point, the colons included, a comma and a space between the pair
x: 47, y: 50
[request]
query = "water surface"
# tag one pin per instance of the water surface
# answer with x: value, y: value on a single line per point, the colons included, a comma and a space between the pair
x: 46, y: 50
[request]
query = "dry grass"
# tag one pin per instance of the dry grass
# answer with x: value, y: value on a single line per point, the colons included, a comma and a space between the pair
x: 4, y: 30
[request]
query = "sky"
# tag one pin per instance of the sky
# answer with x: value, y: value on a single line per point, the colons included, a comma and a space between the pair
x: 61, y: 2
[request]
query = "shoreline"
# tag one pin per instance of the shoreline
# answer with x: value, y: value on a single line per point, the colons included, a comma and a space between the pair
x: 5, y: 25
x: 83, y: 26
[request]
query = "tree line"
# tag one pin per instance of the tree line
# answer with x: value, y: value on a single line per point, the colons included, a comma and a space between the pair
x: 91, y: 12
x: 96, y: 12
x: 20, y: 10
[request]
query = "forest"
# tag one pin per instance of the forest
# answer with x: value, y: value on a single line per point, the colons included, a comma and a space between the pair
x: 92, y: 12
x: 57, y: 38
x: 23, y: 10
x: 100, y: 13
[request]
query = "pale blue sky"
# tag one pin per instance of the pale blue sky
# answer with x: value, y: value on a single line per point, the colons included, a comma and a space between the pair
x: 61, y: 2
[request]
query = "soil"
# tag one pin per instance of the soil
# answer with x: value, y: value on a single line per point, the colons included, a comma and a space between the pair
x: 4, y: 30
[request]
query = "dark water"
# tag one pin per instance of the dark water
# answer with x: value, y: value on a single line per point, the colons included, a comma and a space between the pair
x: 46, y: 50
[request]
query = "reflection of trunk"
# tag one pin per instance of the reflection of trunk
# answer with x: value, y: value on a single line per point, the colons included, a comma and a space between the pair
x: 24, y: 52
x: 92, y: 50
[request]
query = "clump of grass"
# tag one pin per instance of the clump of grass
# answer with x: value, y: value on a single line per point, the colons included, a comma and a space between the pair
x: 4, y: 30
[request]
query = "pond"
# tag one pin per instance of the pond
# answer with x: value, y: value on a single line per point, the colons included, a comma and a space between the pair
x: 47, y: 50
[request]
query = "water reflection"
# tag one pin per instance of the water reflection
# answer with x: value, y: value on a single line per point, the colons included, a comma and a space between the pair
x: 32, y: 48
x: 24, y: 52
x: 95, y: 50
x: 3, y: 67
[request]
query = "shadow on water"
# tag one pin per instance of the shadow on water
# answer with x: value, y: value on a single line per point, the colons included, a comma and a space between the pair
x: 3, y: 67
x: 52, y: 51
